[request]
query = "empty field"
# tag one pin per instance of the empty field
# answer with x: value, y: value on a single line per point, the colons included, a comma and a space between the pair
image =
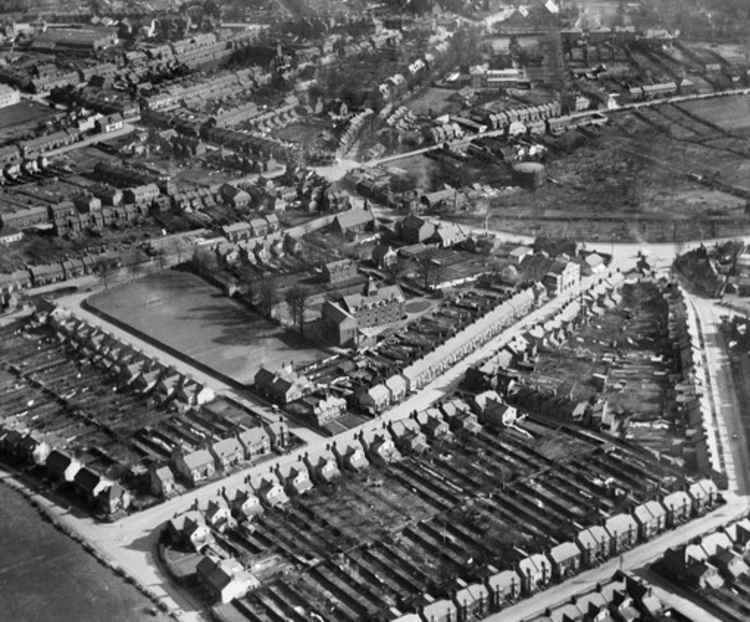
x: 188, y: 315
x: 729, y: 113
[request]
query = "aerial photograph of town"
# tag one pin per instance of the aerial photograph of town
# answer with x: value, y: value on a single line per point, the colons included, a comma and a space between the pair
x: 375, y: 310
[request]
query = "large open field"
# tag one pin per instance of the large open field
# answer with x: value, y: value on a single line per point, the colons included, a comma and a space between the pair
x: 661, y: 173
x: 729, y: 113
x: 190, y: 316
x: 45, y: 576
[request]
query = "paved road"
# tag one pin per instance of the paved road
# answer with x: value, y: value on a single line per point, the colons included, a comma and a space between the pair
x: 130, y: 540
x: 733, y: 434
x: 73, y: 302
x: 501, y: 133
x: 636, y: 558
x: 91, y: 140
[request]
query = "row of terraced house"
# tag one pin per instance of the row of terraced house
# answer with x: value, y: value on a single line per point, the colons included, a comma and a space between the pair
x: 389, y: 445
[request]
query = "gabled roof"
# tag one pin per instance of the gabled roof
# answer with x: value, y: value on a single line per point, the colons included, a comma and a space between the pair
x: 227, y: 447
x: 87, y: 479
x: 563, y: 552
x: 58, y: 462
x: 198, y: 458
x: 353, y: 218
x: 252, y: 436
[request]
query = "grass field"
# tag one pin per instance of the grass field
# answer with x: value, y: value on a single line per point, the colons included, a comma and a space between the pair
x: 729, y: 113
x: 434, y: 99
x: 187, y: 314
x: 46, y: 577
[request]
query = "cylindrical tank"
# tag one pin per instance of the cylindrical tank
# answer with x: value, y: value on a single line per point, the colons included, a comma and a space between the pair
x: 530, y: 175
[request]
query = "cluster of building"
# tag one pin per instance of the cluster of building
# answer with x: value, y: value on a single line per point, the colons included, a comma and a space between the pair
x: 129, y: 67
x: 713, y: 568
x: 691, y: 392
x: 401, y: 449
x: 90, y: 402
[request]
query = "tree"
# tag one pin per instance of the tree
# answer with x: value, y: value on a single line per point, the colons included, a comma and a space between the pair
x: 296, y: 298
x: 268, y: 296
x: 430, y: 269
x: 394, y: 270
x: 204, y: 261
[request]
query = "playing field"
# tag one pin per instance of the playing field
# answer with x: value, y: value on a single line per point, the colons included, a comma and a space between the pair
x: 190, y: 316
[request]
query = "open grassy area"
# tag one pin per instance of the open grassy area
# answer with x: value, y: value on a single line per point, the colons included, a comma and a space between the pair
x: 187, y: 314
x: 729, y: 113
x: 45, y: 576
x: 435, y: 101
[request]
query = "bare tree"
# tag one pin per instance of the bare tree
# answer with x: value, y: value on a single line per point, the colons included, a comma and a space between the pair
x: 296, y: 298
x: 268, y: 296
x: 394, y: 270
x: 429, y: 268
x: 204, y: 261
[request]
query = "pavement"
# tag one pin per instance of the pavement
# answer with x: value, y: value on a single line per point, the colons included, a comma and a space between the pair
x: 74, y: 303
x: 735, y: 508
x: 729, y: 422
x: 131, y: 540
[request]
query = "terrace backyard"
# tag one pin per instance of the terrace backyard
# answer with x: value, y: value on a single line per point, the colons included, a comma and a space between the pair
x: 190, y: 316
x: 354, y: 548
x: 626, y: 345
